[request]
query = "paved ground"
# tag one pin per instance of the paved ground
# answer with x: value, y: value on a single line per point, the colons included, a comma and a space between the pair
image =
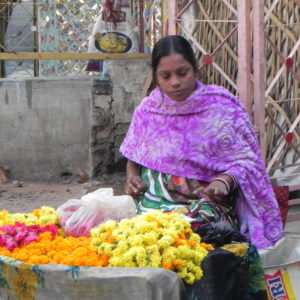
x: 34, y: 195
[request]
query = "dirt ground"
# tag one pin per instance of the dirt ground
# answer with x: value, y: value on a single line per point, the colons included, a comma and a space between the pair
x: 33, y: 195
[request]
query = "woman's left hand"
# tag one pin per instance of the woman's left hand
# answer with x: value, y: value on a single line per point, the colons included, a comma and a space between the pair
x: 216, y: 190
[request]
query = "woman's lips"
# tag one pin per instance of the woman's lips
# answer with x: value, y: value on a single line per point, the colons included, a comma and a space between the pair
x: 177, y: 93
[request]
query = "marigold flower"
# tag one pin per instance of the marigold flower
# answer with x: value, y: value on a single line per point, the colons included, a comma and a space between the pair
x: 167, y: 265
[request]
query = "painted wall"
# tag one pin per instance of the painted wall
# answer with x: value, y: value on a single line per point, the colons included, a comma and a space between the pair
x: 50, y: 128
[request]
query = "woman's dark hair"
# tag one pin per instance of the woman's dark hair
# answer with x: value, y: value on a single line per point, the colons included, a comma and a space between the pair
x: 172, y: 44
x: 168, y: 45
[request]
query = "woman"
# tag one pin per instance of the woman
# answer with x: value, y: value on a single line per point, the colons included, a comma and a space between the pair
x: 188, y: 141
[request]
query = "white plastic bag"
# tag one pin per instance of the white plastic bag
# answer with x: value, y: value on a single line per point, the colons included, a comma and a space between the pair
x: 66, y: 210
x: 95, y: 208
x: 113, y: 32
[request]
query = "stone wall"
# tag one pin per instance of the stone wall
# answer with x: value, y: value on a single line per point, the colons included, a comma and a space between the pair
x: 51, y: 128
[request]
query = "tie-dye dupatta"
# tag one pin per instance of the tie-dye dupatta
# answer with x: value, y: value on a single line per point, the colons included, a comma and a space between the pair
x: 201, y: 137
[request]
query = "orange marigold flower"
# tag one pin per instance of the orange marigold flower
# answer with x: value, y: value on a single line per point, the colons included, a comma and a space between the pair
x: 207, y: 246
x: 192, y: 244
x: 104, y: 258
x: 81, y: 251
x: 46, y: 236
x: 187, y: 231
x: 167, y: 265
x: 93, y: 261
x: 39, y: 260
x: 36, y: 212
x: 178, y: 242
x: 182, y: 236
x: 177, y: 264
x: 5, y: 252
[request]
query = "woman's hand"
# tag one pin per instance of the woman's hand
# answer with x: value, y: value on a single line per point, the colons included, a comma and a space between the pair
x: 135, y: 187
x: 216, y: 190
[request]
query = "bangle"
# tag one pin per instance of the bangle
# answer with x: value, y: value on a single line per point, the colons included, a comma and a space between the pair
x: 234, y: 179
x: 224, y: 181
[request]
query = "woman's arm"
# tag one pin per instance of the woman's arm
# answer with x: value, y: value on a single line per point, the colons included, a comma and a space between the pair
x: 135, y: 186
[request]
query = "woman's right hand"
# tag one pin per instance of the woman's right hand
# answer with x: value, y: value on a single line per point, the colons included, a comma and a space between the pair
x: 135, y: 187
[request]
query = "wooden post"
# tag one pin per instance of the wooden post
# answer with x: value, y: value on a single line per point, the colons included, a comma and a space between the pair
x: 2, y: 37
x: 165, y: 17
x: 35, y: 37
x: 259, y: 66
x: 172, y: 11
x: 244, y: 54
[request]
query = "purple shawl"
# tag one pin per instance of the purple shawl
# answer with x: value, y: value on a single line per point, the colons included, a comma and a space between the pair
x: 201, y: 137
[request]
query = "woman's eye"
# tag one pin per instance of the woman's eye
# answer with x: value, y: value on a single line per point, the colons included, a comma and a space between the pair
x: 182, y: 73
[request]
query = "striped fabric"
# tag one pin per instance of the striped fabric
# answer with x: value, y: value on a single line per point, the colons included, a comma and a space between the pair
x: 156, y: 194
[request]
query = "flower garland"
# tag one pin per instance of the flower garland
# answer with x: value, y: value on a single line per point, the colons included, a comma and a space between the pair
x: 53, y: 249
x: 24, y: 228
x: 153, y: 239
x: 43, y: 216
x: 13, y: 236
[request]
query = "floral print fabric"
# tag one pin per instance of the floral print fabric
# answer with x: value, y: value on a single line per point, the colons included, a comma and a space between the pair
x: 201, y: 137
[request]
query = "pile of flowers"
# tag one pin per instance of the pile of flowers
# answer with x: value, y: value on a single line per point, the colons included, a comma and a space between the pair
x: 13, y: 236
x: 50, y: 249
x: 24, y: 228
x: 153, y: 239
x: 37, y: 238
x: 43, y: 216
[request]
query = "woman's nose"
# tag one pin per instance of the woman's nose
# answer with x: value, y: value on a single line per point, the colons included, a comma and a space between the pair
x: 175, y: 81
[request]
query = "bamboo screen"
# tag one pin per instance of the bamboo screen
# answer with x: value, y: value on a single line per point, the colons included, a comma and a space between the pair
x: 214, y: 35
x: 215, y: 30
x: 282, y: 30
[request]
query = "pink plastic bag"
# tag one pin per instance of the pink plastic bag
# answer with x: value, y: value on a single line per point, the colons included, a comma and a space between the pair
x: 79, y: 217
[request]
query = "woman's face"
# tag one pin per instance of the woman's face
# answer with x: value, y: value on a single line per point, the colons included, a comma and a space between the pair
x: 176, y: 77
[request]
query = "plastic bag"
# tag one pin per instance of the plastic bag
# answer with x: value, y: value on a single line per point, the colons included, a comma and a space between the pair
x: 214, y: 221
x: 113, y: 32
x: 94, y: 208
x: 66, y: 210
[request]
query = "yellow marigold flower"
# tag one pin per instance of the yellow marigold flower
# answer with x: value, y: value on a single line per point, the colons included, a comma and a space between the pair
x: 137, y: 240
x: 3, y: 214
x: 189, y: 278
x: 108, y: 248
x: 165, y: 241
x: 170, y: 254
x: 144, y: 226
x: 150, y: 238
x: 196, y: 238
x: 154, y: 261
